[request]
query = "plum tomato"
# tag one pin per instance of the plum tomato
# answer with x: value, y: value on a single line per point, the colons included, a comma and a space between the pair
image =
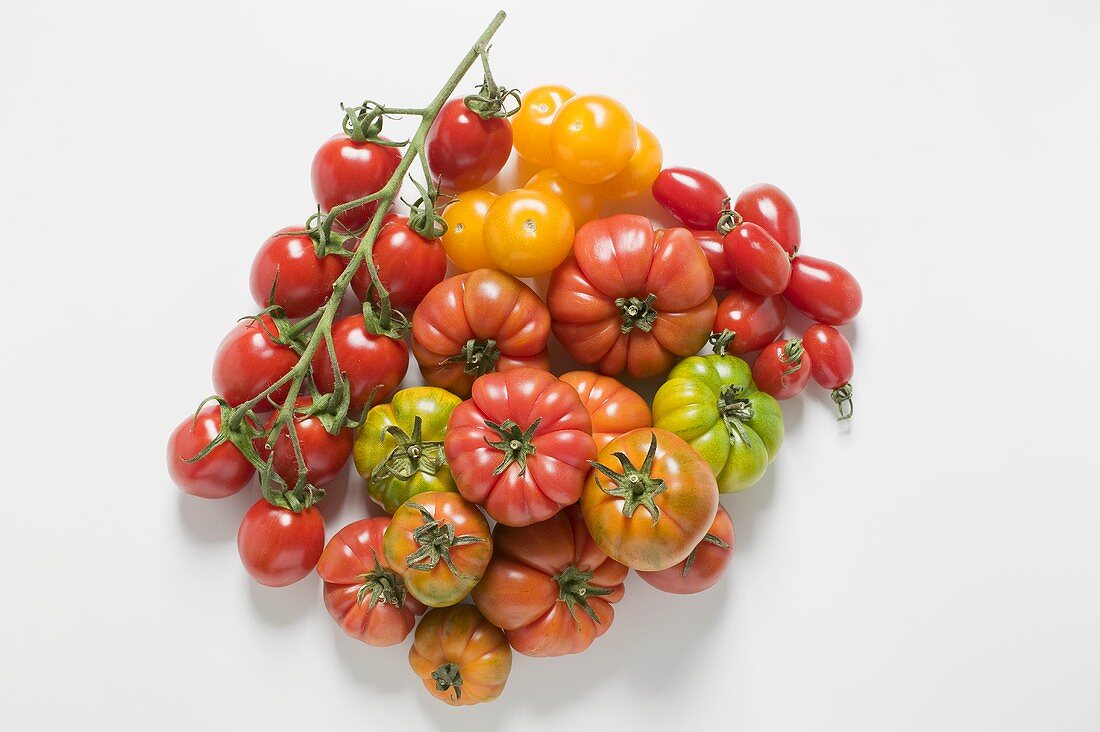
x: 782, y: 369
x: 221, y: 472
x: 324, y: 454
x: 832, y: 363
x: 466, y: 150
x: 374, y: 364
x: 531, y: 124
x: 304, y: 280
x: 754, y: 320
x: 278, y: 547
x: 638, y: 175
x: 713, y: 246
x: 464, y: 240
x: 527, y: 233
x: 249, y: 361
x: 772, y: 210
x: 756, y: 259
x: 345, y: 169
x: 823, y: 291
x: 592, y: 138
x: 692, y: 196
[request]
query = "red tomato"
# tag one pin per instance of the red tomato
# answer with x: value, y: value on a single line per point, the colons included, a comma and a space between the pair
x: 464, y: 150
x: 520, y: 445
x: 249, y: 361
x: 832, y: 363
x: 279, y: 547
x: 362, y: 593
x: 304, y: 281
x: 374, y: 364
x: 782, y: 369
x: 755, y: 320
x: 704, y: 566
x: 692, y: 196
x: 823, y: 290
x: 549, y: 587
x: 614, y: 408
x: 222, y: 472
x: 756, y: 259
x: 714, y: 247
x: 408, y: 264
x: 771, y: 209
x: 344, y: 170
x: 324, y: 454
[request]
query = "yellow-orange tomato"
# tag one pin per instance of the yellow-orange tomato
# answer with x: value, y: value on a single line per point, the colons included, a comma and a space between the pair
x: 463, y: 241
x: 639, y: 174
x: 592, y: 138
x: 460, y: 656
x: 528, y: 233
x: 582, y: 200
x: 531, y: 124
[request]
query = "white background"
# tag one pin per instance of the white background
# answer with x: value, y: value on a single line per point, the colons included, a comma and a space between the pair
x: 934, y: 564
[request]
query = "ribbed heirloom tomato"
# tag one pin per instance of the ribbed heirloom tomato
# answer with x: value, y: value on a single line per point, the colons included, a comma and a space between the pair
x: 520, y: 445
x: 748, y: 322
x: 324, y: 454
x: 613, y: 407
x: 592, y: 138
x: 221, y: 472
x: 278, y: 547
x: 374, y: 363
x: 460, y: 656
x: 464, y: 241
x: 704, y: 566
x: 466, y: 150
x: 632, y: 300
x: 527, y: 233
x: 408, y: 264
x: 531, y: 124
x: 289, y: 262
x: 250, y: 360
x: 549, y: 587
x: 345, y: 169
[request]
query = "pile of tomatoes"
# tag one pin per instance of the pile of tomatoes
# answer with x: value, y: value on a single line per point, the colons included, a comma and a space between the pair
x: 529, y: 494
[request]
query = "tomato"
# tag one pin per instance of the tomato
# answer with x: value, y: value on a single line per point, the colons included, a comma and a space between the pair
x: 221, y: 472
x: 324, y: 454
x: 549, y: 587
x: 344, y: 170
x: 408, y: 264
x: 520, y: 445
x: 399, y: 449
x: 704, y: 566
x: 714, y: 247
x: 592, y: 138
x: 614, y: 408
x: 638, y: 175
x: 277, y: 546
x: 631, y: 299
x: 464, y: 150
x: 754, y: 320
x: 373, y: 364
x: 440, y: 545
x: 461, y: 657
x: 475, y: 323
x: 823, y: 290
x: 304, y: 280
x: 783, y: 369
x: 528, y: 233
x: 531, y: 124
x: 649, y: 499
x: 362, y: 593
x: 581, y: 200
x: 756, y: 260
x: 249, y: 361
x: 772, y: 210
x: 465, y: 218
x: 831, y: 358
x: 712, y: 403
x: 692, y: 196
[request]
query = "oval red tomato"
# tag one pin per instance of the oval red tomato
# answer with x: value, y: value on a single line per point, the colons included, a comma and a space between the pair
x: 755, y: 320
x: 756, y: 260
x: 464, y: 150
x: 832, y: 363
x: 373, y: 364
x: 304, y: 281
x: 704, y: 566
x: 279, y: 547
x: 409, y: 265
x: 221, y: 472
x: 823, y: 290
x: 772, y: 210
x: 690, y: 195
x: 782, y: 369
x: 324, y: 454
x: 345, y: 170
x: 249, y: 361
x: 713, y: 246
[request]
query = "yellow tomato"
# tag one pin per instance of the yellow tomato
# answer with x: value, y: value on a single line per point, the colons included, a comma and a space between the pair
x: 528, y: 233
x: 639, y: 174
x: 592, y: 138
x: 463, y: 241
x: 582, y: 201
x: 531, y: 124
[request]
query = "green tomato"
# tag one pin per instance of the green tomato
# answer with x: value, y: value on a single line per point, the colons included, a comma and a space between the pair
x: 399, y: 448
x: 713, y: 404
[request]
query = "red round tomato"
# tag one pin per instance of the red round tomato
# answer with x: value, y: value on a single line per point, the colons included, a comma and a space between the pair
x: 374, y: 364
x: 249, y: 361
x: 344, y: 170
x: 832, y: 363
x: 221, y: 472
x: 755, y: 320
x: 520, y: 445
x: 714, y: 247
x: 549, y: 587
x: 782, y: 369
x: 362, y: 593
x: 279, y: 547
x: 693, y: 197
x: 771, y: 209
x: 704, y: 566
x: 614, y: 408
x: 464, y: 150
x: 408, y: 264
x: 823, y: 290
x: 304, y: 280
x: 631, y: 299
x: 324, y: 454
x: 756, y: 259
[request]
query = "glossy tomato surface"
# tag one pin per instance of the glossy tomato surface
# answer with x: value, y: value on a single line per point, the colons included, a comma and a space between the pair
x: 249, y: 361
x: 531, y: 124
x: 460, y: 656
x: 373, y: 364
x: 527, y: 233
x: 713, y: 246
x: 581, y: 200
x: 279, y: 547
x: 756, y: 260
x: 325, y: 455
x: 464, y: 240
x: 772, y: 210
x: 344, y: 170
x: 408, y: 264
x: 754, y: 320
x: 704, y: 566
x: 692, y: 196
x: 303, y: 282
x: 221, y: 472
x: 464, y: 150
x: 831, y: 355
x: 592, y: 138
x: 783, y: 369
x: 613, y: 407
x: 640, y: 172
x: 823, y: 290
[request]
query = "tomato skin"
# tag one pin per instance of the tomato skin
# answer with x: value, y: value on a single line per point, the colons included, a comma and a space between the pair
x: 614, y: 408
x: 592, y: 138
x: 325, y: 455
x: 248, y: 361
x: 692, y: 196
x: 772, y: 210
x: 279, y: 547
x: 464, y: 150
x: 711, y: 560
x: 527, y: 233
x: 408, y: 264
x: 640, y: 172
x: 755, y: 319
x: 757, y: 260
x: 516, y: 488
x: 464, y: 241
x: 713, y: 245
x: 531, y: 124
x: 460, y: 640
x: 823, y: 290
x: 532, y: 569
x: 770, y: 371
x: 221, y: 473
x: 304, y: 281
x: 831, y: 355
x: 367, y: 360
x: 581, y: 200
x: 344, y: 170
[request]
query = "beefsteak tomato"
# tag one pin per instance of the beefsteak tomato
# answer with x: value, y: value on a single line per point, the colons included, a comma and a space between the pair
x: 704, y: 566
x: 613, y: 407
x: 460, y: 656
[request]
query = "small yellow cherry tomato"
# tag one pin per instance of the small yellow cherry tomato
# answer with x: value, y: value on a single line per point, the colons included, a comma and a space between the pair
x: 582, y: 201
x: 639, y: 174
x: 592, y: 138
x: 528, y: 233
x: 531, y: 124
x: 465, y: 218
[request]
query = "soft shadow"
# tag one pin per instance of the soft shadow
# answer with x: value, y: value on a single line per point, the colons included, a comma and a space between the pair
x: 216, y: 520
x: 746, y: 507
x: 382, y: 669
x: 282, y: 606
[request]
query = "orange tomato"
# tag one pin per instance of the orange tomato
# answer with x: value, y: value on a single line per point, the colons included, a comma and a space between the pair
x: 592, y: 138
x: 614, y: 408
x: 461, y: 657
x: 465, y: 218
x: 531, y: 124
x: 528, y: 233
x: 581, y: 200
x: 638, y: 175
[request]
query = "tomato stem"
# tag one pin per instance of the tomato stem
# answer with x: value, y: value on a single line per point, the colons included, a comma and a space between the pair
x: 435, y: 539
x: 448, y: 676
x: 574, y: 589
x: 514, y: 443
x: 637, y: 313
x: 842, y: 397
x: 479, y: 357
x: 635, y: 485
x: 412, y: 455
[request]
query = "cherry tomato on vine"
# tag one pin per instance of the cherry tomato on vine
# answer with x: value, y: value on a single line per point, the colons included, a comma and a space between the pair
x: 832, y: 363
x: 279, y: 547
x: 755, y: 320
x: 581, y: 200
x: 823, y: 290
x: 465, y: 150
x: 614, y: 408
x: 531, y: 124
x: 344, y: 170
x: 782, y: 369
x: 249, y: 361
x: 638, y: 175
x: 756, y: 260
x: 221, y: 472
x: 304, y: 280
x: 690, y: 195
x: 704, y: 566
x: 408, y: 264
x: 713, y: 246
x: 772, y: 210
x: 464, y: 241
x: 528, y: 233
x: 324, y: 454
x: 374, y: 364
x: 460, y: 656
x: 592, y: 138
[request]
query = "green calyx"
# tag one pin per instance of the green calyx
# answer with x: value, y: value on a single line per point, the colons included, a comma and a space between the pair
x: 792, y: 355
x: 720, y: 342
x: 491, y: 99
x: 708, y: 539
x: 412, y: 455
x: 728, y: 219
x: 574, y: 589
x: 842, y: 398
x: 424, y: 213
x: 435, y: 539
x: 447, y: 677
x: 514, y: 443
x: 478, y: 357
x: 735, y: 410
x: 636, y: 486
x: 637, y: 313
x: 381, y: 585
x: 364, y: 123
